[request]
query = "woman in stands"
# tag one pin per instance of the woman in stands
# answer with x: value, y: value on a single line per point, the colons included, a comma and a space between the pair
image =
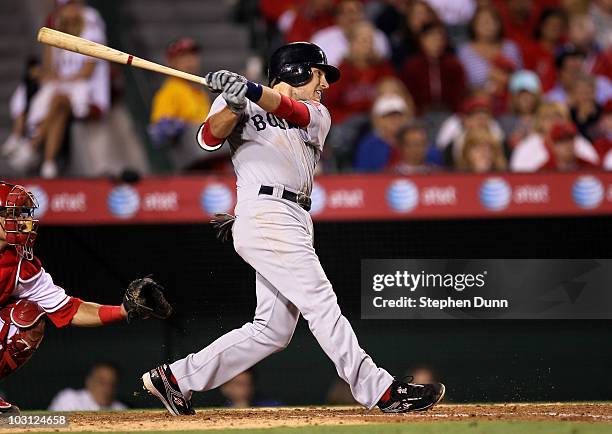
x: 74, y: 86
x: 482, y: 153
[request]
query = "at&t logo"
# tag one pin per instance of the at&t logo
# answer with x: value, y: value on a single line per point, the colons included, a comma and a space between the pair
x: 123, y: 201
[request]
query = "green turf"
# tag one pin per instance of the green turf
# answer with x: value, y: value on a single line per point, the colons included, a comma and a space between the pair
x: 487, y: 427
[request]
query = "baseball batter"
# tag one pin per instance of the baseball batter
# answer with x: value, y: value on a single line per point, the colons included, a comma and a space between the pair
x: 276, y: 135
x: 28, y: 293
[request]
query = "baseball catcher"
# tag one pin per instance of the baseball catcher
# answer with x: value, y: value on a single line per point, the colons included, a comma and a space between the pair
x: 28, y: 294
x: 276, y: 134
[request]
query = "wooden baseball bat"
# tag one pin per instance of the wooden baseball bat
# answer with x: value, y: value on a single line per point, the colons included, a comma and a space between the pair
x: 83, y: 46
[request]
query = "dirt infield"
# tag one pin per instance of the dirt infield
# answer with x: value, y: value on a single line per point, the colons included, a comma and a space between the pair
x: 146, y: 420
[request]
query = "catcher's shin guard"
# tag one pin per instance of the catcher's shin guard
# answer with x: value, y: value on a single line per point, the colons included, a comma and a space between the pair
x: 17, y: 349
x: 161, y: 383
x: 6, y: 408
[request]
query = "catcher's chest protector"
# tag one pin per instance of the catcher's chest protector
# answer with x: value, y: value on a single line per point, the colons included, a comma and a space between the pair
x: 19, y: 342
x: 11, y: 265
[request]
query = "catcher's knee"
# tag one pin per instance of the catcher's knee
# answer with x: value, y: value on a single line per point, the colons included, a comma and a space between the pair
x: 17, y: 348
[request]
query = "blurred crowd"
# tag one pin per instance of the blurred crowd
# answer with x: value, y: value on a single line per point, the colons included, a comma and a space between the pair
x: 98, y: 394
x: 460, y: 85
x: 427, y: 86
x: 67, y: 112
x: 60, y: 86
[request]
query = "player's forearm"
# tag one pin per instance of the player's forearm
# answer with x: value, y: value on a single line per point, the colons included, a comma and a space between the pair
x: 270, y: 99
x: 278, y: 104
x: 222, y: 123
x: 95, y: 315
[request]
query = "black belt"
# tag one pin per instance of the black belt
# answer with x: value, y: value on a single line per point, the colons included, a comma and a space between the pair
x: 300, y: 198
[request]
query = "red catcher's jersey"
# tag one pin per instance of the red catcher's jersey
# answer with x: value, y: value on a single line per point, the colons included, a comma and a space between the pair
x: 13, y: 266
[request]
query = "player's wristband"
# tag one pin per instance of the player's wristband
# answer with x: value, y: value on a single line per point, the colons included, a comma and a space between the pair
x: 110, y: 314
x: 254, y: 91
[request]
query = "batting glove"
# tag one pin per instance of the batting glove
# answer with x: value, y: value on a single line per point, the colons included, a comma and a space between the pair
x: 234, y: 94
x: 219, y: 79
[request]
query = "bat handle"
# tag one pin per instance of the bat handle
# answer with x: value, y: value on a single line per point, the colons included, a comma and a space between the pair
x: 205, y: 82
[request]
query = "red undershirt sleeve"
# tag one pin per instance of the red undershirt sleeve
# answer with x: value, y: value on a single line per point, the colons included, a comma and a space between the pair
x: 63, y: 316
x: 293, y: 111
x: 206, y: 138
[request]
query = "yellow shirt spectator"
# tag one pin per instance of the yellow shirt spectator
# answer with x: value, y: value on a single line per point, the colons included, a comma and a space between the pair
x: 179, y: 100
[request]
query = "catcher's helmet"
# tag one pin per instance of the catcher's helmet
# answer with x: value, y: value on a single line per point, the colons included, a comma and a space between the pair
x: 17, y: 207
x: 292, y: 64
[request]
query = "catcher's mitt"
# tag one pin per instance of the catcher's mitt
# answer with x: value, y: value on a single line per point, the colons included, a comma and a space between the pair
x: 144, y: 298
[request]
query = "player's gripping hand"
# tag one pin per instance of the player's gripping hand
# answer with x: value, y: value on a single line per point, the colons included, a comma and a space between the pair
x: 232, y: 86
x: 219, y: 79
x: 234, y: 94
x: 144, y: 298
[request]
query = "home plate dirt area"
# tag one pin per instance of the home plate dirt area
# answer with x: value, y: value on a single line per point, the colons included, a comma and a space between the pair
x: 220, y: 419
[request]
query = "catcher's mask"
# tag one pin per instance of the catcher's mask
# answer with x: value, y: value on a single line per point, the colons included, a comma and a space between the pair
x: 17, y: 207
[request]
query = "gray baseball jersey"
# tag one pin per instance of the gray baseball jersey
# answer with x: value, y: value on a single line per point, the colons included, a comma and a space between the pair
x: 275, y: 237
x: 269, y: 150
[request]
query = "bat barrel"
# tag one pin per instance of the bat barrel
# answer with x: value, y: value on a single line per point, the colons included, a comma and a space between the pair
x: 73, y: 43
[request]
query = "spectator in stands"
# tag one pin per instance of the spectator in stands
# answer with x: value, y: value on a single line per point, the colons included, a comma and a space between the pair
x: 351, y: 101
x: 575, y: 7
x: 73, y: 86
x: 273, y: 10
x: 496, y: 87
x: 526, y: 93
x: 412, y: 144
x: 394, y: 86
x: 603, y: 141
x: 601, y: 12
x: 570, y: 66
x: 434, y: 77
x: 422, y: 373
x: 308, y: 19
x: 361, y: 70
x: 582, y: 37
x: 179, y: 108
x: 454, y: 12
x: 486, y: 42
x: 343, y: 139
x: 335, y: 40
x: 481, y: 153
x: 539, y: 56
x: 584, y: 110
x: 520, y: 18
x: 476, y: 114
x: 339, y: 393
x: 378, y: 150
x: 240, y: 392
x: 405, y: 41
x: 388, y: 15
x: 93, y: 19
x: 532, y: 153
x: 98, y: 394
x: 562, y: 155
x: 19, y: 107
